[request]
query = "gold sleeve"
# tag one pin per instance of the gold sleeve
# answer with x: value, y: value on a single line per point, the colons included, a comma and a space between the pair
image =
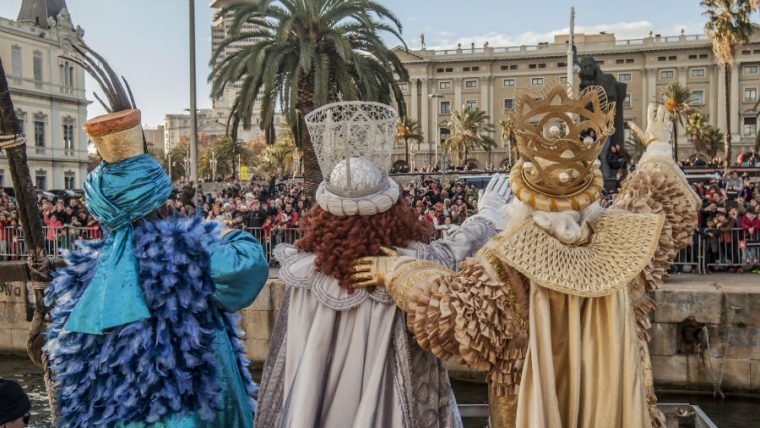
x: 658, y: 186
x: 478, y: 315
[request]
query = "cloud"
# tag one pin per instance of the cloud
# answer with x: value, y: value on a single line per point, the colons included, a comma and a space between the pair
x: 622, y: 30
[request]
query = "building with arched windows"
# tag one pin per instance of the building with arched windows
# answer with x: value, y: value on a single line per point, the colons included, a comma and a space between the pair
x: 48, y: 93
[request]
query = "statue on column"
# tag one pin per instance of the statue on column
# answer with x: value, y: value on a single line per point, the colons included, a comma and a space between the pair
x: 591, y: 74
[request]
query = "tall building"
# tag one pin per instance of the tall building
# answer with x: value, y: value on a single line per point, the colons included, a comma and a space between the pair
x: 212, y: 124
x: 487, y: 77
x: 220, y: 30
x: 48, y: 93
x: 155, y: 139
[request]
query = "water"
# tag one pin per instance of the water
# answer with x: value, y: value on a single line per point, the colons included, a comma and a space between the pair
x: 730, y: 413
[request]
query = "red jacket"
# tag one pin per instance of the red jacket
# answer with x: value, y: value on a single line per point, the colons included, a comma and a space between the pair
x: 754, y: 224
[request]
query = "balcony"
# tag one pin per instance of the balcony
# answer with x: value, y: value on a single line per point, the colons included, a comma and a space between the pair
x: 561, y: 48
x: 37, y: 87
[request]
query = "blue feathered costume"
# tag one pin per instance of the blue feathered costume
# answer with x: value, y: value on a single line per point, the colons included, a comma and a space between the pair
x: 142, y: 332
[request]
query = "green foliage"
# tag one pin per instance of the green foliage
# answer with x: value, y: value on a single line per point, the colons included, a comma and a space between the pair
x: 408, y: 129
x: 334, y: 46
x: 728, y: 26
x: 278, y: 157
x: 306, y: 53
x: 470, y: 130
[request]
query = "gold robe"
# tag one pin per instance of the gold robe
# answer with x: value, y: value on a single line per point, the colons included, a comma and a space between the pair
x: 560, y: 329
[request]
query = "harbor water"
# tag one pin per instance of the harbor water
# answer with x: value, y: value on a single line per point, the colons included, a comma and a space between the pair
x: 733, y: 412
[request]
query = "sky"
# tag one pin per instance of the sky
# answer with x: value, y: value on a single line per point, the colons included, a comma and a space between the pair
x: 147, y: 40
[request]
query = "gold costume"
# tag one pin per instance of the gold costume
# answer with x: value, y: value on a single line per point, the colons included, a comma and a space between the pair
x: 561, y: 329
x: 583, y: 353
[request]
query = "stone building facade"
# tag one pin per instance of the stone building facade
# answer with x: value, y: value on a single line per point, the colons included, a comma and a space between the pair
x: 487, y: 77
x: 48, y: 93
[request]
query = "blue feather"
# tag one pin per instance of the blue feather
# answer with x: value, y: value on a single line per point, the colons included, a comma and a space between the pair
x: 144, y: 370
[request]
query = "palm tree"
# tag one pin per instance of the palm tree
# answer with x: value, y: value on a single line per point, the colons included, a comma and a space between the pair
x: 307, y: 53
x: 469, y: 130
x: 408, y: 129
x: 696, y: 128
x: 711, y: 141
x: 507, y: 125
x: 634, y: 147
x: 278, y: 157
x: 677, y: 99
x: 231, y: 153
x: 729, y: 27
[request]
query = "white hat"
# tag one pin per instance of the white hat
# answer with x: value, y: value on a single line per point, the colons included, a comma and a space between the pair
x: 353, y: 143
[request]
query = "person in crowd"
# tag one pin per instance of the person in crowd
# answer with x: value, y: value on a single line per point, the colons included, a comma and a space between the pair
x: 14, y: 405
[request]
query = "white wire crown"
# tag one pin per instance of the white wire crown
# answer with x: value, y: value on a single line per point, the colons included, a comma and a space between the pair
x: 352, y: 129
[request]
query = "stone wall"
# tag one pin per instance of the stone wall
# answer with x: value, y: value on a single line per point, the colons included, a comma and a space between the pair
x: 729, y: 306
x: 717, y: 301
x: 13, y: 317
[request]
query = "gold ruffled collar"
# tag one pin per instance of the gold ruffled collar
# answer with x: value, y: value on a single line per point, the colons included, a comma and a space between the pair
x: 620, y: 247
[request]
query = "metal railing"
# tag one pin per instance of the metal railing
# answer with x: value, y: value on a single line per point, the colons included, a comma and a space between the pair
x: 710, y: 249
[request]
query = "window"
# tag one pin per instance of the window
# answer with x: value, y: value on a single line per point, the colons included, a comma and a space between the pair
x: 629, y: 60
x: 470, y: 83
x: 449, y: 70
x: 698, y: 98
x: 750, y: 69
x: 67, y: 77
x: 16, y: 61
x: 750, y: 127
x: 561, y: 64
x: 445, y: 85
x: 471, y: 104
x: 439, y: 70
x: 39, y: 133
x: 37, y: 62
x: 672, y: 58
x: 750, y: 95
x: 661, y: 58
x: 692, y: 57
x: 21, y: 121
x: 505, y: 67
x: 509, y: 82
x: 68, y: 136
x: 40, y: 179
x: 537, y: 81
x: 508, y: 103
x: 465, y: 68
x: 619, y: 61
x: 627, y: 101
x: 541, y: 65
x: 513, y: 67
x: 666, y: 75
x: 697, y: 72
x: 624, y: 77
x: 702, y: 56
x: 69, y: 177
x: 475, y: 68
x: 531, y: 65
x: 445, y: 107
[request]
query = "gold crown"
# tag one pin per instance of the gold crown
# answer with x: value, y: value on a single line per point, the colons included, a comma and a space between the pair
x: 558, y: 168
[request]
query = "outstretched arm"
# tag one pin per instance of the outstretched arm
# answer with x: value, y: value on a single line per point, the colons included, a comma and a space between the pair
x: 239, y: 270
x: 478, y: 314
x: 473, y: 233
x: 659, y: 186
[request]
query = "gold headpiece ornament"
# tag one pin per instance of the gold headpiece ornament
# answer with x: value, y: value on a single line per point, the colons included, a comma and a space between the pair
x: 117, y: 135
x: 558, y: 168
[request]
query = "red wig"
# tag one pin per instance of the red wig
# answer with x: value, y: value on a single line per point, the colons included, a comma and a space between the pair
x: 338, y: 241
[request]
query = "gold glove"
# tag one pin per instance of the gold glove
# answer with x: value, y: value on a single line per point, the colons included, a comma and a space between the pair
x: 373, y: 271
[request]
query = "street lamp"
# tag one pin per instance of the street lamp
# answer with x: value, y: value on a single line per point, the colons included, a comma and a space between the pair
x: 432, y: 97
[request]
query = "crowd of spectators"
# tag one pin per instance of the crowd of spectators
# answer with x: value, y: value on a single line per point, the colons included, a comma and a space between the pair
x: 274, y: 208
x: 729, y: 222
